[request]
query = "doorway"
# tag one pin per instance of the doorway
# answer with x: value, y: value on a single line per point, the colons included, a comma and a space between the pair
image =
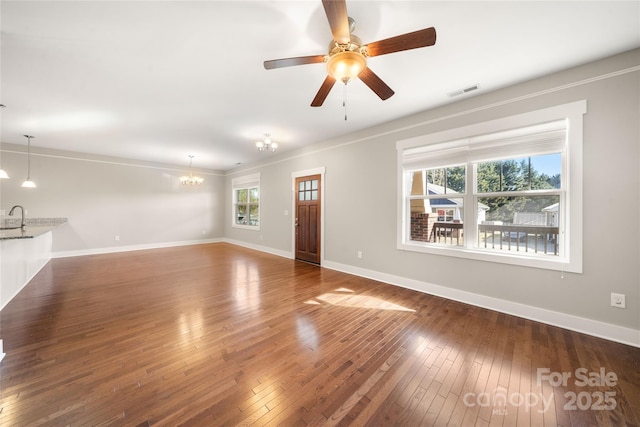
x: 308, y: 218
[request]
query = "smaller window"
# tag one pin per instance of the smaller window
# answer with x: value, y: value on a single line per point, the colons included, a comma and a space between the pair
x: 246, y: 202
x: 308, y: 190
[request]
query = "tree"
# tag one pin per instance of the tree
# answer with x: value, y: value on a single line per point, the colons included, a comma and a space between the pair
x: 452, y: 178
x: 514, y: 175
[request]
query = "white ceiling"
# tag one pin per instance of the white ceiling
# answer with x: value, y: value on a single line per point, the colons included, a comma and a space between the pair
x: 160, y: 81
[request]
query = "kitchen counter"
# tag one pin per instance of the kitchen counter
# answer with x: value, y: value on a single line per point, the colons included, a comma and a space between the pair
x: 29, y: 233
x: 35, y: 227
x: 24, y: 253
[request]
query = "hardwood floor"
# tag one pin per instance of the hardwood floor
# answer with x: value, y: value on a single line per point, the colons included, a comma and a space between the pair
x: 218, y: 335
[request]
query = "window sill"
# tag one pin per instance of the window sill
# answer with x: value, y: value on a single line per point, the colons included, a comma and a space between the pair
x: 544, y: 262
x: 246, y: 227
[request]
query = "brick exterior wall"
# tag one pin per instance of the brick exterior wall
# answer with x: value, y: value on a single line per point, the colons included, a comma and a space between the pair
x: 421, y: 226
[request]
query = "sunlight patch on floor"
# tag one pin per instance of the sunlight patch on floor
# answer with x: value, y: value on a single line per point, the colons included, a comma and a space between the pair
x: 349, y: 299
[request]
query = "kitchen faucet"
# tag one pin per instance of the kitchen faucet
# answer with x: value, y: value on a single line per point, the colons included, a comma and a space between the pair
x: 23, y: 225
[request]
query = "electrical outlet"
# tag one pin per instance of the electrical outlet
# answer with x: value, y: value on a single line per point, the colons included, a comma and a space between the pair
x: 618, y: 300
x: 116, y: 238
x: 359, y: 254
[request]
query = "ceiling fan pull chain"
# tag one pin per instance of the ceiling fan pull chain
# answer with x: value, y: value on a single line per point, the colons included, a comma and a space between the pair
x: 344, y: 101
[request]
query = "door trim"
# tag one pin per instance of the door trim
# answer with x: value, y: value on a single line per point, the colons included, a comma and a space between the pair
x: 299, y: 174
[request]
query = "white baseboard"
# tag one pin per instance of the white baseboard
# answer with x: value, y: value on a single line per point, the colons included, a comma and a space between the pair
x: 114, y: 249
x: 595, y: 328
x: 272, y: 251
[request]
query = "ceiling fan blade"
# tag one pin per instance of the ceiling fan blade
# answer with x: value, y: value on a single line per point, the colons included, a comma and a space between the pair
x: 336, y: 11
x: 323, y: 92
x: 376, y: 84
x: 414, y: 40
x: 289, y: 62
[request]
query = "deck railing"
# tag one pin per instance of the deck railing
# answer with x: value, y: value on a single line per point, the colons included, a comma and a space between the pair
x: 519, y: 237
x: 511, y: 237
x: 442, y: 231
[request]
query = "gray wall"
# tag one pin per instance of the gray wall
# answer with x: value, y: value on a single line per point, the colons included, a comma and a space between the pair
x: 143, y: 204
x: 361, y: 197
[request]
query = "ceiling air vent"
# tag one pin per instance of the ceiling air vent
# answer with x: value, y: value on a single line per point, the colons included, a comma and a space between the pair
x: 463, y: 90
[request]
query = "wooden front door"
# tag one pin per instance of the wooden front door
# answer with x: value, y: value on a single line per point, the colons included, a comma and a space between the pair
x: 308, y: 218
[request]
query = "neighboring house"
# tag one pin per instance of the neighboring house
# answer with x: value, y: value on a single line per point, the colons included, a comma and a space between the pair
x: 547, y: 218
x: 426, y: 212
x: 526, y: 218
x: 449, y: 210
x: 552, y: 214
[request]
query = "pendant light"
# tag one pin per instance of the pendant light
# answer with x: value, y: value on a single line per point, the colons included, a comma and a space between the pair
x: 28, y: 183
x: 191, y: 180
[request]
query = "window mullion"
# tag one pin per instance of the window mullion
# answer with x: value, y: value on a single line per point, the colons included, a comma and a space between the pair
x: 550, y: 192
x: 470, y: 211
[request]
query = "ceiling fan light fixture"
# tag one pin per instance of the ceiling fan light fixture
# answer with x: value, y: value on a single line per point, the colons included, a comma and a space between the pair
x: 346, y: 66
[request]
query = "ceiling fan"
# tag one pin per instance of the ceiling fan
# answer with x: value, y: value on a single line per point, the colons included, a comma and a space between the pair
x: 347, y: 57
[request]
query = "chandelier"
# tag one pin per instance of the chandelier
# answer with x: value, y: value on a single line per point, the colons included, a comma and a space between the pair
x: 191, y: 179
x: 267, y: 144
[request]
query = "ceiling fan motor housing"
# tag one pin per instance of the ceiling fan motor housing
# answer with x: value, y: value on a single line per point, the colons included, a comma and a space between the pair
x: 355, y: 45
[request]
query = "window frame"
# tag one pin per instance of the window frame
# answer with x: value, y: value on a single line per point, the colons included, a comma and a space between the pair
x: 571, y: 191
x: 247, y: 182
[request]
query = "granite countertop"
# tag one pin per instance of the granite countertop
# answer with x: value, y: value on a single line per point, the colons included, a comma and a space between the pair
x: 35, y: 227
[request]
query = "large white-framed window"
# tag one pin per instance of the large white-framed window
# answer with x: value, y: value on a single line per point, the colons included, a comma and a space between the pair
x: 507, y: 190
x: 246, y: 202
